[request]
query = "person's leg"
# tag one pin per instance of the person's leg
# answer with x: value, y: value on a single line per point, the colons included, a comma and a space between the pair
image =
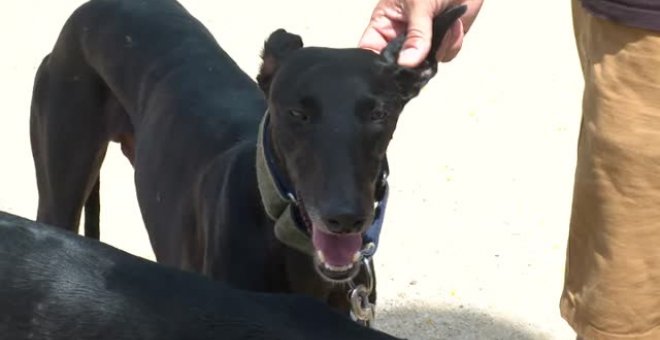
x: 612, y: 282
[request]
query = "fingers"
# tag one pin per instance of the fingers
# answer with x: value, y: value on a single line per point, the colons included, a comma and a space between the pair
x: 380, y: 31
x: 414, y: 18
x: 387, y: 22
x: 420, y: 29
x: 474, y: 6
x: 372, y: 40
x: 451, y: 42
x: 420, y: 17
x: 454, y: 39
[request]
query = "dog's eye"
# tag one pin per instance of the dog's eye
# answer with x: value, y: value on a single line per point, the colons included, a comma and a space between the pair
x: 378, y: 115
x: 298, y: 115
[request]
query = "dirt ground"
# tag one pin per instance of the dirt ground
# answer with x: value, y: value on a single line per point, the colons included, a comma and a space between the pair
x: 482, y: 161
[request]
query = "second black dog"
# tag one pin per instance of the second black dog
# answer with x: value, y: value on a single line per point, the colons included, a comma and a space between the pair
x: 56, y: 285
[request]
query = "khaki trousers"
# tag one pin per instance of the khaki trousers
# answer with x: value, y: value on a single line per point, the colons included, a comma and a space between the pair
x: 612, y: 279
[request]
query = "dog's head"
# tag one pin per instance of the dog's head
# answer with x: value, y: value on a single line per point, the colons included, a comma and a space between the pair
x: 332, y: 115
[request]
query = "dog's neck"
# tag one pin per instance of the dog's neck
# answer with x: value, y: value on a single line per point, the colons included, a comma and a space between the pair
x: 277, y: 202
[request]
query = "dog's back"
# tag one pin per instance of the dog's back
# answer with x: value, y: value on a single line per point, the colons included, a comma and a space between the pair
x: 146, y: 74
x: 56, y: 285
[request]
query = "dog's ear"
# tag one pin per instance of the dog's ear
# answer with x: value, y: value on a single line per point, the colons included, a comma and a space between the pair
x: 277, y: 48
x: 411, y: 80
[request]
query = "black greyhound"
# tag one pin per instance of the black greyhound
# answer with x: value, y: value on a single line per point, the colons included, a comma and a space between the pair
x: 274, y: 202
x: 60, y: 286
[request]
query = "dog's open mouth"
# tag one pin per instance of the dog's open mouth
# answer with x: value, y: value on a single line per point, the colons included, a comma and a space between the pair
x: 337, y: 255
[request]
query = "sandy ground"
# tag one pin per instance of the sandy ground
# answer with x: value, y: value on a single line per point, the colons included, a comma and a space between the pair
x: 482, y: 162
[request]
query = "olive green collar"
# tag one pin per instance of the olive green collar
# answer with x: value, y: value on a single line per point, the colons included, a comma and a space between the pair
x: 278, y: 203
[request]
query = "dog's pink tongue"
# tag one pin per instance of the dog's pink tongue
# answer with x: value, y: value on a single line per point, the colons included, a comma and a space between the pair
x: 338, y: 250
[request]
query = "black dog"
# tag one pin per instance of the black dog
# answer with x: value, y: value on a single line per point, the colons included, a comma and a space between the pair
x: 59, y: 286
x: 265, y: 202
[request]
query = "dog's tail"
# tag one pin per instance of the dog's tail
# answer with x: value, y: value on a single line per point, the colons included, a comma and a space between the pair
x: 93, y: 212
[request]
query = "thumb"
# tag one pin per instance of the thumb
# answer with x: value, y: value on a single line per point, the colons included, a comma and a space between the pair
x: 418, y: 35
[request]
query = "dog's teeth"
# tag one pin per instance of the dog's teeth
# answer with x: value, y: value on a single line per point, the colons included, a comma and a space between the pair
x: 338, y: 268
x: 356, y: 256
x: 327, y: 266
x: 320, y: 256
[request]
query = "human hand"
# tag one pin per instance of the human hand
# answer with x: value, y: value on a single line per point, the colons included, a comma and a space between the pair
x: 414, y: 18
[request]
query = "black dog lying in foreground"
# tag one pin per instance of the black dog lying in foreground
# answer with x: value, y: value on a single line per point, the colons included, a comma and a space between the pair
x: 275, y: 202
x: 55, y: 285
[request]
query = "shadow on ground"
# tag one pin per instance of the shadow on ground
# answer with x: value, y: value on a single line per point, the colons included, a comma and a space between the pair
x: 459, y: 324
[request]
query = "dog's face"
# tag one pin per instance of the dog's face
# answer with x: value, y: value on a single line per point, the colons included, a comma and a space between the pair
x: 332, y: 115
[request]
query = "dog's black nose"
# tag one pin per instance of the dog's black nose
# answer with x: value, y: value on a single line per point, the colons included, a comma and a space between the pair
x: 345, y: 223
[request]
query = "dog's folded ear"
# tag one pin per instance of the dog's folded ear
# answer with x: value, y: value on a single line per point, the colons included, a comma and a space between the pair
x: 277, y: 48
x: 411, y: 80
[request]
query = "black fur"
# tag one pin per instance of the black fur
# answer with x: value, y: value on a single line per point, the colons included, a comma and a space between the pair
x: 55, y: 285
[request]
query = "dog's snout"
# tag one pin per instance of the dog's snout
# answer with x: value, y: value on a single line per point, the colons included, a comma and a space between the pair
x: 345, y: 223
